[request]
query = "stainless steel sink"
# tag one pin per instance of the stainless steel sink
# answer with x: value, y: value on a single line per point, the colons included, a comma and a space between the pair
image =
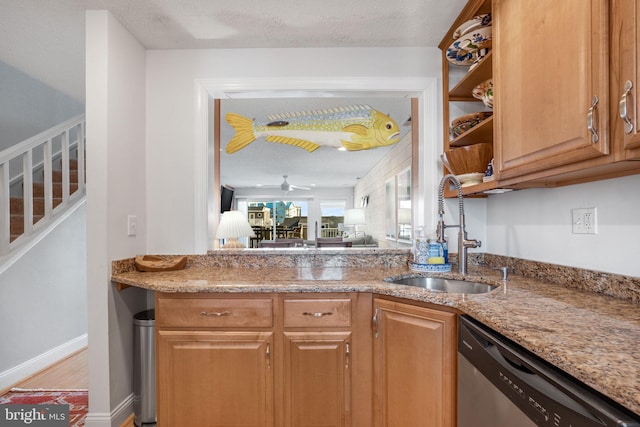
x: 444, y: 285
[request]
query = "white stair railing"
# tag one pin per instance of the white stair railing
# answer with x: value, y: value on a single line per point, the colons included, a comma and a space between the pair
x: 21, y: 157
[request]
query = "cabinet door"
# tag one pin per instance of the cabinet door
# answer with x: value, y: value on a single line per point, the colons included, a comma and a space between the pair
x: 214, y: 379
x: 414, y: 366
x: 550, y: 61
x: 317, y: 379
x: 626, y: 68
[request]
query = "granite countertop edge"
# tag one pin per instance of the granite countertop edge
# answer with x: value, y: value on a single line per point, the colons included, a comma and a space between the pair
x: 591, y: 336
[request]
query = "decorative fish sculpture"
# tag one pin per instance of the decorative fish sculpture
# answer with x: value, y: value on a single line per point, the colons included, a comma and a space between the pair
x: 357, y: 127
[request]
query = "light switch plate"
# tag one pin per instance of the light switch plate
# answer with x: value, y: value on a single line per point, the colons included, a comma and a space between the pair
x: 132, y: 225
x: 584, y: 220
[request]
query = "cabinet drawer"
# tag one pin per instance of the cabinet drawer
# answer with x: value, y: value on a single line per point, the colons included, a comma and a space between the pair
x: 214, y: 313
x: 317, y: 312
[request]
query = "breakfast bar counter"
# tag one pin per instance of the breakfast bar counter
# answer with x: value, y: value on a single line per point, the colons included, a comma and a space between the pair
x: 585, y: 323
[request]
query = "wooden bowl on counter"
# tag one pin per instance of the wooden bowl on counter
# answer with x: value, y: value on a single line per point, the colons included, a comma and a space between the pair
x: 468, y: 159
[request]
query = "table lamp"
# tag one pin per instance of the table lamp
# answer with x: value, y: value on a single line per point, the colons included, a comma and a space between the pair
x: 233, y: 224
x: 354, y: 217
x: 404, y: 223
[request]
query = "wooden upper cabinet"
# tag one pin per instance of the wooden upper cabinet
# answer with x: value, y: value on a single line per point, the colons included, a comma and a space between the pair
x: 625, y: 76
x: 551, y: 59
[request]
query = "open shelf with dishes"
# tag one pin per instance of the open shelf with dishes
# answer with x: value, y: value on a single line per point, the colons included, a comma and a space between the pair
x: 480, y: 133
x: 467, y: 47
x: 463, y: 90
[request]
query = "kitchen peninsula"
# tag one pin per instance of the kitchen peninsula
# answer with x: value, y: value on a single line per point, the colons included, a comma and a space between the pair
x: 568, y: 321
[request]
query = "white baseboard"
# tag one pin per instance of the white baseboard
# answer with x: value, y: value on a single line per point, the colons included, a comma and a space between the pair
x: 121, y: 412
x: 97, y: 419
x: 48, y: 358
x: 116, y: 418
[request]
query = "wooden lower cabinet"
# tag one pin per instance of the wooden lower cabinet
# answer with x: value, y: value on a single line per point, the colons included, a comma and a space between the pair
x: 303, y: 360
x: 414, y: 366
x: 326, y: 363
x: 264, y: 360
x: 317, y: 379
x: 215, y: 379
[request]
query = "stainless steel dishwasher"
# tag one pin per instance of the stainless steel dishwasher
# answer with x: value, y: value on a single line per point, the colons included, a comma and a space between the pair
x: 503, y: 385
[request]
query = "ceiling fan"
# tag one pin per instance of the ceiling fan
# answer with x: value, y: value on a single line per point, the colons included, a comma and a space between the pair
x: 286, y: 187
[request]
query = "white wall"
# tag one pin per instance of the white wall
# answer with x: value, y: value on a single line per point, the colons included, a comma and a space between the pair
x: 44, y: 301
x: 116, y: 187
x: 173, y: 113
x: 535, y: 224
x: 28, y: 106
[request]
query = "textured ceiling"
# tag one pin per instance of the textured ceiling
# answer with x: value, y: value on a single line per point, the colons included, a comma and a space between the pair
x: 45, y: 38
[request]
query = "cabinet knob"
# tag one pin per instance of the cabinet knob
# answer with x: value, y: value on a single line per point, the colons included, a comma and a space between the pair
x: 590, y: 120
x: 624, y: 111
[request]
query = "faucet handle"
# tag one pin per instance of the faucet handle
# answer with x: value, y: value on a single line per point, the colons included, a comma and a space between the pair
x: 505, y: 272
x: 471, y: 243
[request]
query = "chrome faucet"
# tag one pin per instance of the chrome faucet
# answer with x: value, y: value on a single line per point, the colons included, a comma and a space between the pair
x: 463, y: 242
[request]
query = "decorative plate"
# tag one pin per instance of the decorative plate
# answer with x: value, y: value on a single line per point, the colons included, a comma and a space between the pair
x: 484, y: 92
x: 462, y: 124
x: 465, y: 50
x: 429, y: 267
x: 480, y: 54
x: 472, y: 24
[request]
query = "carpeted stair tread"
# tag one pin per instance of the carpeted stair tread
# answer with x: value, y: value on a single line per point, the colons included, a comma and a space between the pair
x: 38, y: 189
x: 16, y: 207
x: 17, y: 222
x: 57, y: 176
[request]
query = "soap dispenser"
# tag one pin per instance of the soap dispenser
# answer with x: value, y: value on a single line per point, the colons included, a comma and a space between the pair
x: 420, y: 248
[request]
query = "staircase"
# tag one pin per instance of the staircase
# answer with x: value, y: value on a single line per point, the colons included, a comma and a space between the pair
x: 41, y: 178
x: 17, y: 203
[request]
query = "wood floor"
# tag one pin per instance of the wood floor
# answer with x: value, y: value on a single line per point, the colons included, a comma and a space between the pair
x: 69, y: 373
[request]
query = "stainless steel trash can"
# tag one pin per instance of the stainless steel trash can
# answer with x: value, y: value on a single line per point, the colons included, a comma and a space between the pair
x: 144, y: 368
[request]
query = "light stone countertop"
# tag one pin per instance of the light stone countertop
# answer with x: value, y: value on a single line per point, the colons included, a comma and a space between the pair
x: 592, y: 336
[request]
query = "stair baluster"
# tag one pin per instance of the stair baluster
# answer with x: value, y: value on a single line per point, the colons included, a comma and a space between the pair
x: 59, y: 189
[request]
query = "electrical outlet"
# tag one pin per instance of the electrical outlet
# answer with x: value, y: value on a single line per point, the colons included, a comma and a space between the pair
x: 584, y: 220
x: 132, y: 225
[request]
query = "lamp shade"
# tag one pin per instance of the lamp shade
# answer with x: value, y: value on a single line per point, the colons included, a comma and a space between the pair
x: 404, y: 216
x: 232, y: 225
x: 354, y: 217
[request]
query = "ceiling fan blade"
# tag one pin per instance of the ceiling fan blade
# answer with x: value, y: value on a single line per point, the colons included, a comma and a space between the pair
x: 299, y: 188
